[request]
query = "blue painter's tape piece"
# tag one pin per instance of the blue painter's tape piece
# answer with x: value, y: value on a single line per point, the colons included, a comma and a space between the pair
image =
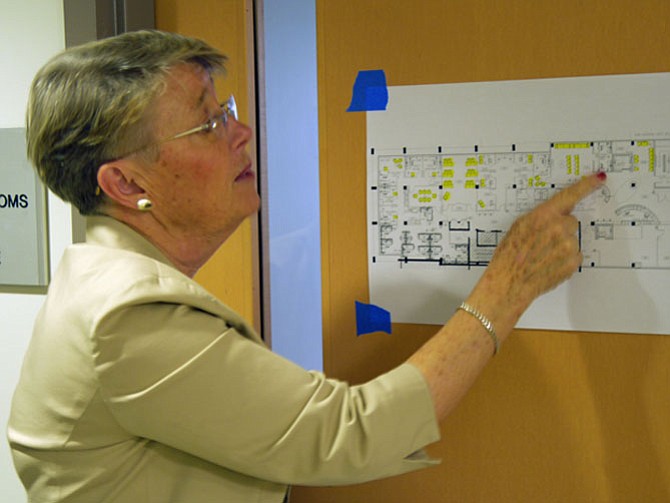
x: 371, y: 318
x: 370, y: 92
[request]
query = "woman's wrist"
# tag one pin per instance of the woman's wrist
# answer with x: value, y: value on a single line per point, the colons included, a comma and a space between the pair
x: 485, y: 322
x: 497, y: 304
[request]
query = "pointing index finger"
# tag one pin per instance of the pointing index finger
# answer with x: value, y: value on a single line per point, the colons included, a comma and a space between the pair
x: 566, y: 200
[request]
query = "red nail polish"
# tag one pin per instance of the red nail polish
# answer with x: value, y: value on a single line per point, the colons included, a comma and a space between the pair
x: 602, y: 176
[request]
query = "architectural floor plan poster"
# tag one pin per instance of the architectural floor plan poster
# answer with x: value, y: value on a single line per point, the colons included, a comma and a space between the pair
x: 451, y: 166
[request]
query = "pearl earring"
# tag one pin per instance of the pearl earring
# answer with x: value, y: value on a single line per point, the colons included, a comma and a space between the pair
x: 144, y: 204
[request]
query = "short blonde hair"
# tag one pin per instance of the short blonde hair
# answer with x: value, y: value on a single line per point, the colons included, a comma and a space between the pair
x: 88, y: 105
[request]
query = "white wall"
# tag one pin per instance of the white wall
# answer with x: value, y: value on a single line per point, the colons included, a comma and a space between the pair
x: 30, y: 32
x: 293, y: 180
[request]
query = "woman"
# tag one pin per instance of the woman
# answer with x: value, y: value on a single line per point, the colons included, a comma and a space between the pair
x: 138, y: 385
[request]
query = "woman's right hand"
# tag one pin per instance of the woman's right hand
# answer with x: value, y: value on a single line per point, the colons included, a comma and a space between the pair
x: 540, y: 251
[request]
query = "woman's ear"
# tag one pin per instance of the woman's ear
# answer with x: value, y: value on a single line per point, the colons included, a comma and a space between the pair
x: 116, y: 180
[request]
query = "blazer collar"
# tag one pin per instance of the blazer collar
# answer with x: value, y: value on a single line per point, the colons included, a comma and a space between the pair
x: 110, y: 233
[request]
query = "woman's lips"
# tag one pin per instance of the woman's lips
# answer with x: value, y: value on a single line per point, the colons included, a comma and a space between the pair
x: 246, y: 173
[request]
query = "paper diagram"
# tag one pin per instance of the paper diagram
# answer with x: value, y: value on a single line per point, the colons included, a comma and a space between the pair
x: 451, y: 209
x: 451, y: 166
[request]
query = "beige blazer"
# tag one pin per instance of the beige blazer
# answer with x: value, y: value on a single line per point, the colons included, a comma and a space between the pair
x: 140, y: 386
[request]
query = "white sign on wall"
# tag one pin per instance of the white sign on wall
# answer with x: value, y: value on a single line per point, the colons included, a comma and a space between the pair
x: 23, y: 243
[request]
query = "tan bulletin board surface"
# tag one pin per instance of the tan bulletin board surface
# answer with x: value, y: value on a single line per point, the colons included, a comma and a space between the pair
x: 558, y: 416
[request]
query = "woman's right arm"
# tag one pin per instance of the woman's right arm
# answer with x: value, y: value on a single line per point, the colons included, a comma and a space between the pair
x: 540, y: 251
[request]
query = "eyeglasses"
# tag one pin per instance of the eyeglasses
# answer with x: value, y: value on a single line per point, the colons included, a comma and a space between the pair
x: 229, y: 109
